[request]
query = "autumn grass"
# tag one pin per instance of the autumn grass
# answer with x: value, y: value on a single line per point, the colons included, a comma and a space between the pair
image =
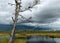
x: 6, y: 40
x: 20, y: 41
x: 24, y: 34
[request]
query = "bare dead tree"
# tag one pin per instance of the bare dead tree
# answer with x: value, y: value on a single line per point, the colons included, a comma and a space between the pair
x: 17, y: 10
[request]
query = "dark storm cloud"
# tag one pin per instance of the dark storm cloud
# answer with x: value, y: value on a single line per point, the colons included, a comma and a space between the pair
x: 48, y: 12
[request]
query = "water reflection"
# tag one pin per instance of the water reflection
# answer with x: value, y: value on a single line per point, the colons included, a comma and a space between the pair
x: 57, y: 40
x: 40, y: 39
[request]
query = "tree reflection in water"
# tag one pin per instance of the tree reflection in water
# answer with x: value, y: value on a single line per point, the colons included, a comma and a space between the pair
x: 40, y: 39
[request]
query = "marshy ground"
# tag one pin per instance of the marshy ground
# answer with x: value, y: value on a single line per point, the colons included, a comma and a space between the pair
x: 20, y: 36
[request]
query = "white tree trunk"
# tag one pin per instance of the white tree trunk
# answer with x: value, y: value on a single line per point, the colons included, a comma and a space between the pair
x: 15, y: 21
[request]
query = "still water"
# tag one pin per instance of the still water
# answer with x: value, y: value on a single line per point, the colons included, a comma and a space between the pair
x: 57, y: 40
x: 41, y: 39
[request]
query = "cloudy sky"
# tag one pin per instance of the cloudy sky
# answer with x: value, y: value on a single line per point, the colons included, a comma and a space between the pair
x: 45, y: 13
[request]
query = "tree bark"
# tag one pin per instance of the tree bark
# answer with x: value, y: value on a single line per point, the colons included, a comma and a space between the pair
x: 17, y: 8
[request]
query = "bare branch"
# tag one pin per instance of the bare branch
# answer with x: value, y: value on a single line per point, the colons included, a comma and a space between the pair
x: 29, y: 19
x: 29, y: 8
x: 11, y: 4
x: 13, y: 19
